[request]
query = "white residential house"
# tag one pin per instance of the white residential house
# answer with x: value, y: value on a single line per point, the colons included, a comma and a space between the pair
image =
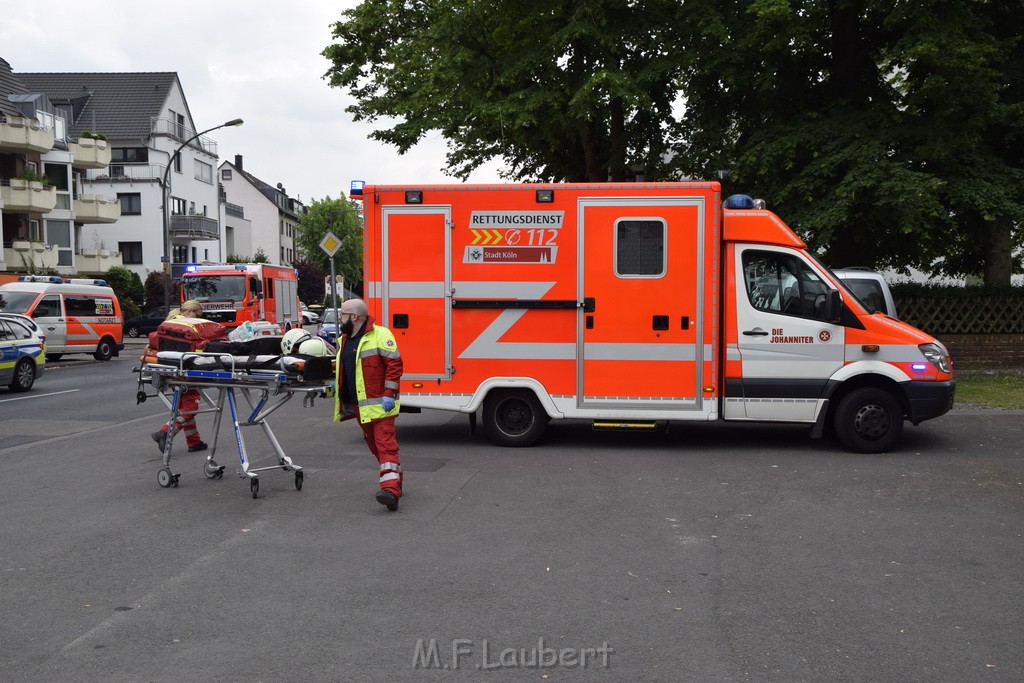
x: 145, y: 119
x: 47, y: 218
x: 258, y: 215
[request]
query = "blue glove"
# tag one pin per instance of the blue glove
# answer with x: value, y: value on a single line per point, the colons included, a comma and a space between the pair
x: 388, y: 403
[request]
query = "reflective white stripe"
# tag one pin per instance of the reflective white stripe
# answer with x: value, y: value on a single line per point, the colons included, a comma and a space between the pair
x: 390, y: 385
x: 390, y: 466
x: 416, y: 290
x: 390, y: 477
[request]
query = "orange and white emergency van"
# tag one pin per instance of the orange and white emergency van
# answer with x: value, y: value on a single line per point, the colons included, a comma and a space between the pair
x: 234, y: 293
x: 78, y: 315
x: 632, y: 304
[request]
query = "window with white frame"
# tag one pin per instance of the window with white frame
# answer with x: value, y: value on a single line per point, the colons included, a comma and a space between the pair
x: 204, y: 172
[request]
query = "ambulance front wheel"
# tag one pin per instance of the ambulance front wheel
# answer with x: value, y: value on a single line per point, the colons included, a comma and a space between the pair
x: 513, y: 418
x: 869, y: 420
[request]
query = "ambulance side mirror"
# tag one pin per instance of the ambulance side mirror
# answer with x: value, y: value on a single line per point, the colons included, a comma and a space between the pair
x: 833, y: 303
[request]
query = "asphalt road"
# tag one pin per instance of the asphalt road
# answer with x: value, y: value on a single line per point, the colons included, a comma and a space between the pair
x: 707, y: 553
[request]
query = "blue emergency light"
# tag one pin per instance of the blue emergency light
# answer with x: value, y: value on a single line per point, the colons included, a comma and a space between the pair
x: 739, y: 201
x: 53, y: 279
x: 355, y: 188
x: 919, y: 367
x: 190, y: 269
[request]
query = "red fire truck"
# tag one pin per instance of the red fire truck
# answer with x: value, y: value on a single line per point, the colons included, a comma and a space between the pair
x: 234, y: 293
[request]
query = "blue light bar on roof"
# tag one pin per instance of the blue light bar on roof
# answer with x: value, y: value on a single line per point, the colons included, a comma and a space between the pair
x: 355, y: 188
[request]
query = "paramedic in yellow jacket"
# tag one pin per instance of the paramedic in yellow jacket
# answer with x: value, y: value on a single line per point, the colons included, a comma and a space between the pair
x: 368, y: 369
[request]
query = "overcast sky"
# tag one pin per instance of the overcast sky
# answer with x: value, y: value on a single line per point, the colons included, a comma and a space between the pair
x: 257, y: 60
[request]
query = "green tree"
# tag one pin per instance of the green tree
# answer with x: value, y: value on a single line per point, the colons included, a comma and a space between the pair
x: 311, y: 280
x: 128, y: 287
x: 577, y: 90
x: 886, y: 136
x: 342, y: 217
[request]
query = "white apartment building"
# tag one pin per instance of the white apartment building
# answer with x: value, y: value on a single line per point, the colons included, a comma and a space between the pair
x: 47, y: 214
x: 257, y: 215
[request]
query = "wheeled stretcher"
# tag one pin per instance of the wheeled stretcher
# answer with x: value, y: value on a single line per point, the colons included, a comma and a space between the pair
x: 265, y: 382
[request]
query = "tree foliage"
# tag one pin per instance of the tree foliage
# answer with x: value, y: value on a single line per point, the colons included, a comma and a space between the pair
x: 887, y: 134
x: 342, y: 217
x: 311, y: 280
x: 572, y: 90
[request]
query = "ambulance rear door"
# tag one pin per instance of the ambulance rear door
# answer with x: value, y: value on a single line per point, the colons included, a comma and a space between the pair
x: 646, y: 283
x: 416, y: 287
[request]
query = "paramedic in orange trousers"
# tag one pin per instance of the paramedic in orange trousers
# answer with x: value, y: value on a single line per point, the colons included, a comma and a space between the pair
x: 189, y: 401
x: 368, y: 369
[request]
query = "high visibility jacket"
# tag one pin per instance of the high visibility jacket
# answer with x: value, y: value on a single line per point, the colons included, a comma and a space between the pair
x: 378, y: 369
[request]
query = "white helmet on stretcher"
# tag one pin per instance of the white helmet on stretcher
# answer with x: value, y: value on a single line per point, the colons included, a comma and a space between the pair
x: 315, y: 347
x: 292, y: 338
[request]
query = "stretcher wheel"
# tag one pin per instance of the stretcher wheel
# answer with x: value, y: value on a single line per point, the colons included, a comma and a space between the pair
x: 212, y: 470
x: 140, y: 397
x: 165, y: 478
x: 298, y: 480
x: 254, y: 486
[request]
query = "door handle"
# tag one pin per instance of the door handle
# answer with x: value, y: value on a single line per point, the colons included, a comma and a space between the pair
x: 756, y: 332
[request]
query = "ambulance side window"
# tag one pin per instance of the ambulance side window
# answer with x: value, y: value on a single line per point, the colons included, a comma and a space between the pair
x: 640, y: 248
x: 782, y: 283
x: 80, y: 306
x: 48, y: 307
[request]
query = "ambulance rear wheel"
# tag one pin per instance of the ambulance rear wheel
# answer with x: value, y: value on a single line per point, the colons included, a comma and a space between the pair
x: 513, y: 418
x: 54, y: 356
x: 104, y: 350
x: 869, y: 420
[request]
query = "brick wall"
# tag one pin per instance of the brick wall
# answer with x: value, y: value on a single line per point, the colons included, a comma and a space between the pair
x: 983, y: 351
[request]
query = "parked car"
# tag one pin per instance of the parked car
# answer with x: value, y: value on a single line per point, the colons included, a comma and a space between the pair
x: 141, y: 325
x: 328, y: 327
x: 309, y: 317
x: 22, y: 351
x: 870, y: 287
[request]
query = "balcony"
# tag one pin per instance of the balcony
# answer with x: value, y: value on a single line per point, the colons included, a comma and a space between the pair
x: 126, y: 173
x: 89, y: 153
x: 94, y: 208
x: 20, y: 196
x: 97, y: 260
x: 158, y: 126
x: 21, y: 134
x: 195, y: 227
x: 30, y: 256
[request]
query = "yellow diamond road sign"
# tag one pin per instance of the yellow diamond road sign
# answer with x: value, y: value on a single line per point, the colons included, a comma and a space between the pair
x: 330, y: 244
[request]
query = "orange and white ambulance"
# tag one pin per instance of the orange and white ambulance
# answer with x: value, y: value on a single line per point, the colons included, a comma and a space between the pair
x: 632, y: 305
x: 78, y: 315
x: 235, y: 293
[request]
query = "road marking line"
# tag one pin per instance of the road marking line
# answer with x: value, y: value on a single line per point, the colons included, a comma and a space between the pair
x: 52, y: 393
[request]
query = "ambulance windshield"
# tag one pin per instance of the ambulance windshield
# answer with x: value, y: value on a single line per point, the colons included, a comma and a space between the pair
x: 16, y: 302
x: 215, y: 287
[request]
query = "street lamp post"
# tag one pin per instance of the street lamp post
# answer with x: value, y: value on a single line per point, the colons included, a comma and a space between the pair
x: 165, y: 187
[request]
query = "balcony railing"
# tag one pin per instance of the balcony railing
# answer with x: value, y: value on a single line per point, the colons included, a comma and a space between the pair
x: 234, y: 210
x: 21, y: 134
x: 117, y: 173
x: 91, y: 208
x: 194, y: 227
x: 21, y: 196
x: 159, y: 126
x: 89, y: 153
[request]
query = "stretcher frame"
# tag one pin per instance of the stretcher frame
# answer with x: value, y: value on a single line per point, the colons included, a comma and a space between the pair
x: 265, y: 390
